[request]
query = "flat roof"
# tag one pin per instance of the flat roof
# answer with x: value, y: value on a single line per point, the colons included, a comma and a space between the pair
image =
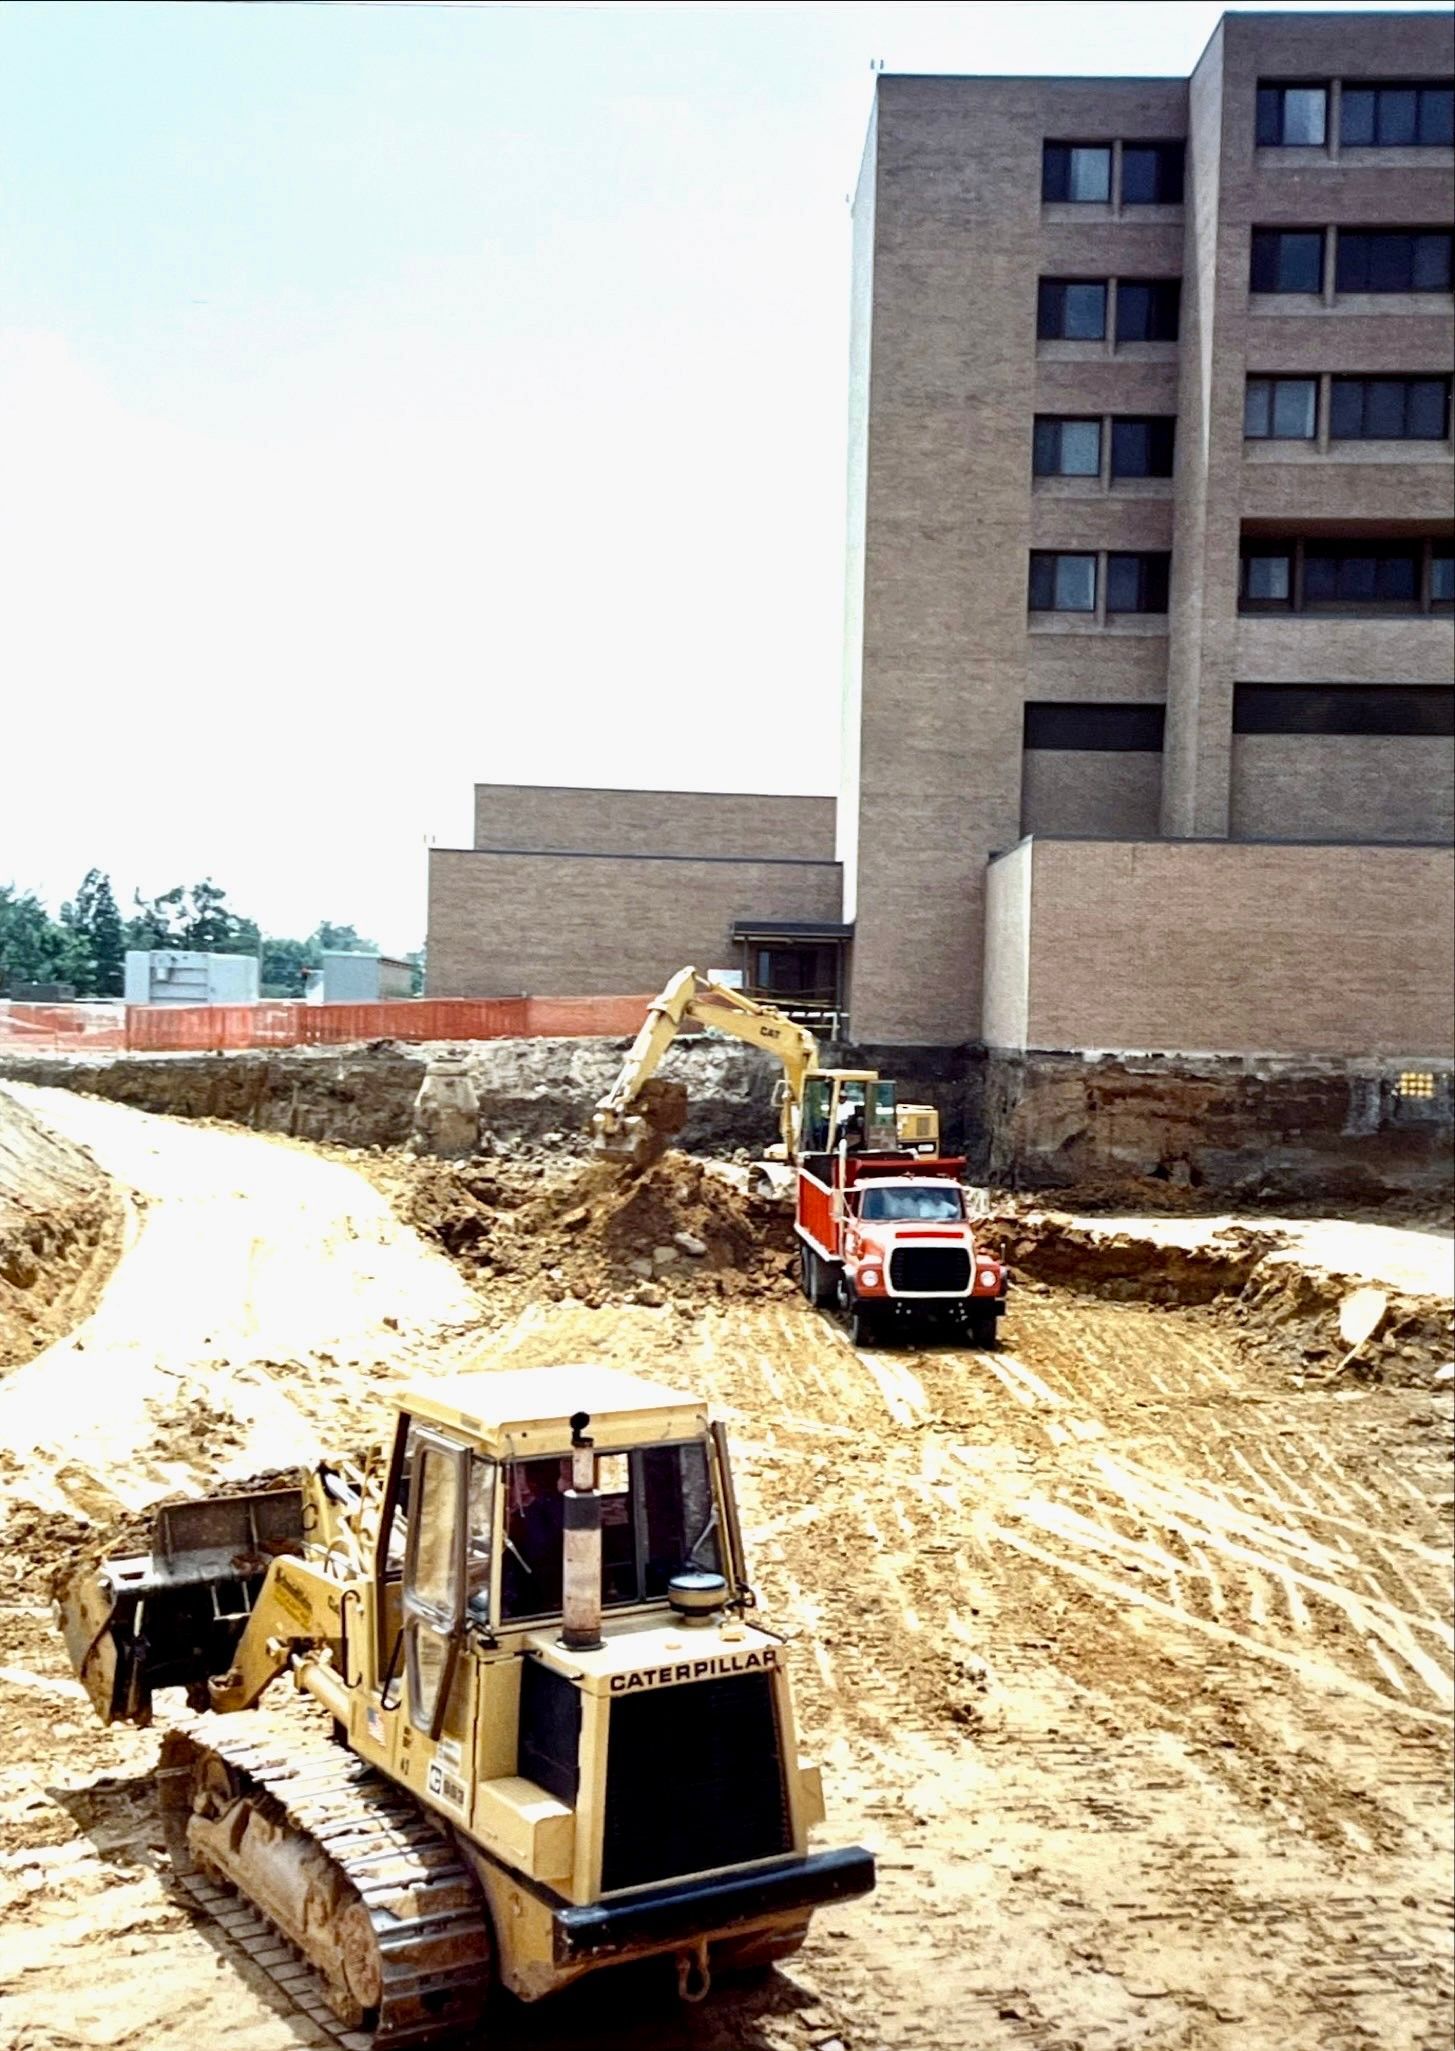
x: 537, y: 1403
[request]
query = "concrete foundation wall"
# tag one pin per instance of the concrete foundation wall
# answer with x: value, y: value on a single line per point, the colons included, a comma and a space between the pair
x: 652, y: 822
x: 1241, y: 948
x: 595, y: 925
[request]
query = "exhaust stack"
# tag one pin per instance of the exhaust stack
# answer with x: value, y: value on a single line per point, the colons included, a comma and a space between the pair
x: 581, y: 1564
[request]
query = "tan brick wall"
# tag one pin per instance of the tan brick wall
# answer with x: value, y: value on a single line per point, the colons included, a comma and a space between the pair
x: 1090, y: 790
x: 1232, y: 188
x: 551, y: 925
x: 1354, y: 786
x: 513, y: 815
x: 1207, y: 947
x: 959, y: 242
x: 1007, y: 948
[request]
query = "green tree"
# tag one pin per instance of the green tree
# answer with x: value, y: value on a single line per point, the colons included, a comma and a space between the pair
x: 331, y: 939
x: 283, y: 962
x: 197, y: 917
x: 416, y: 961
x: 33, y: 947
x: 96, y: 942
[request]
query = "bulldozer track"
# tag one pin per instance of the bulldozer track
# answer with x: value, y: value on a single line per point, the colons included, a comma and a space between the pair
x: 430, y: 1926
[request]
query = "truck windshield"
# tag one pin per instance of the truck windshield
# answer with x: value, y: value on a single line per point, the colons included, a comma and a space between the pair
x: 657, y: 1517
x: 901, y: 1204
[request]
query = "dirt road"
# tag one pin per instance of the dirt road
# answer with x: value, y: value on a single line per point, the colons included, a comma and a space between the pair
x: 1132, y: 1661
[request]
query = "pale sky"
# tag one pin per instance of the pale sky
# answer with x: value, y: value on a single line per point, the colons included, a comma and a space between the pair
x: 398, y: 396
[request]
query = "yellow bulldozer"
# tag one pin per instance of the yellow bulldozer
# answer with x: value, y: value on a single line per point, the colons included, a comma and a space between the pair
x: 538, y: 1734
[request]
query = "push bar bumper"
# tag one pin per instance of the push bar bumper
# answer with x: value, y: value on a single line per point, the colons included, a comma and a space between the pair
x: 698, y: 1908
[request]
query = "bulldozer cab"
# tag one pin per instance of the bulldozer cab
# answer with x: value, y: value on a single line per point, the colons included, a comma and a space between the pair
x: 852, y: 1106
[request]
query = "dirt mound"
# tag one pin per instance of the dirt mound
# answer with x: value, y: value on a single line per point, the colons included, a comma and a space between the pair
x: 60, y: 1232
x: 1286, y: 1307
x: 678, y: 1228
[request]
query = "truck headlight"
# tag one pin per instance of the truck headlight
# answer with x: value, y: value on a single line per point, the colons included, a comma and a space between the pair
x: 988, y: 1278
x: 869, y: 1277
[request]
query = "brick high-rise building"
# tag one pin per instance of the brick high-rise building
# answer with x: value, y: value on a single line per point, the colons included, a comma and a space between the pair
x: 1148, y: 703
x: 1150, y: 492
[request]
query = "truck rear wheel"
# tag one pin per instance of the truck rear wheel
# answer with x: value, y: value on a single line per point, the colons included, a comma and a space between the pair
x: 813, y: 1276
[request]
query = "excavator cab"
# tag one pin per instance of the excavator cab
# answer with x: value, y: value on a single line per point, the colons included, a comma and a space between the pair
x: 847, y: 1106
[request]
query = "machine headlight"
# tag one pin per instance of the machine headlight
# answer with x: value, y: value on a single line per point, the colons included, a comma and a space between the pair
x: 988, y: 1278
x: 869, y: 1277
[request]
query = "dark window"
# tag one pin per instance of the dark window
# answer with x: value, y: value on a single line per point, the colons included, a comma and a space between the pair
x: 1393, y: 260
x: 1106, y: 729
x: 1152, y: 174
x: 1343, y: 709
x: 1148, y: 309
x: 808, y: 972
x: 1071, y: 310
x: 1137, y: 583
x: 1389, y: 409
x: 1292, y: 116
x: 1067, y: 448
x: 548, y: 1733
x: 1266, y: 579
x: 1283, y: 409
x: 1360, y: 574
x: 1141, y: 445
x: 1442, y: 579
x: 1062, y: 582
x: 1079, y: 171
x: 1287, y: 260
x: 1397, y: 116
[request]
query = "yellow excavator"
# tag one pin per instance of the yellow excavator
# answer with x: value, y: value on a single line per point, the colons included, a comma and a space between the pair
x: 630, y: 1121
x: 538, y: 1733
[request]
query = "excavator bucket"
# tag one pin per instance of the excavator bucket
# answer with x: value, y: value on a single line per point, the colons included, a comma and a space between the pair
x: 643, y: 1134
x: 171, y: 1617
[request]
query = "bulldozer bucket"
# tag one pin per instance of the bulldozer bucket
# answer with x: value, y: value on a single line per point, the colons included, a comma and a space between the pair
x: 170, y: 1618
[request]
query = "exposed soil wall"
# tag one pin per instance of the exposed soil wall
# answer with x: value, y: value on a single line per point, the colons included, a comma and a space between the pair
x: 60, y: 1231
x: 1264, y: 1133
x: 1142, y: 1131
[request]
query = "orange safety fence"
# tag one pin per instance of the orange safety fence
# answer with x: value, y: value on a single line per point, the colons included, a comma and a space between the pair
x: 62, y: 1028
x: 217, y: 1028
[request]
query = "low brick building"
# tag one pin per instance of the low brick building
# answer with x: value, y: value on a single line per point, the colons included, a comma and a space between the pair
x: 1150, y: 633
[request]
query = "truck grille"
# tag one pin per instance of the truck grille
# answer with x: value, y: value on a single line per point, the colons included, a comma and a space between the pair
x: 920, y: 1269
x: 694, y: 1780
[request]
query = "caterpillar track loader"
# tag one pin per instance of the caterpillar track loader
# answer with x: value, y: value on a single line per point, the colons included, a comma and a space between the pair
x: 538, y: 1733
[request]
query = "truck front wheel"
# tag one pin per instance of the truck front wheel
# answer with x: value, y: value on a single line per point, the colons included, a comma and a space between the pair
x: 982, y: 1324
x: 863, y: 1329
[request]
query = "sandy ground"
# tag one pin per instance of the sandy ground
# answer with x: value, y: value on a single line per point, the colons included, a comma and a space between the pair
x: 1130, y: 1659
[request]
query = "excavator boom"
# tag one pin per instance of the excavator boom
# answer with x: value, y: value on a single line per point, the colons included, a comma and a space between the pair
x: 623, y: 1123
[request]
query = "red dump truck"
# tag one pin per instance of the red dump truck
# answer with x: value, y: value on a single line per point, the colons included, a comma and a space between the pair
x: 887, y: 1238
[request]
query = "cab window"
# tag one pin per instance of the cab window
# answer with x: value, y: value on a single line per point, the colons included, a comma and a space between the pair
x: 657, y: 1517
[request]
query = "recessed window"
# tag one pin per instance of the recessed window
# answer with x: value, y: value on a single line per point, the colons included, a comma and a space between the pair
x: 1425, y: 709
x: 1148, y: 309
x: 1142, y: 445
x: 1397, y: 116
x: 1392, y: 409
x: 1282, y: 409
x: 1137, y: 583
x: 1292, y: 116
x: 1340, y: 574
x: 1152, y: 174
x: 1062, y: 582
x: 1067, y: 448
x: 1354, y: 576
x: 1267, y: 580
x: 1071, y: 310
x: 1393, y: 260
x: 1076, y: 171
x: 1288, y: 260
x: 1075, y: 726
